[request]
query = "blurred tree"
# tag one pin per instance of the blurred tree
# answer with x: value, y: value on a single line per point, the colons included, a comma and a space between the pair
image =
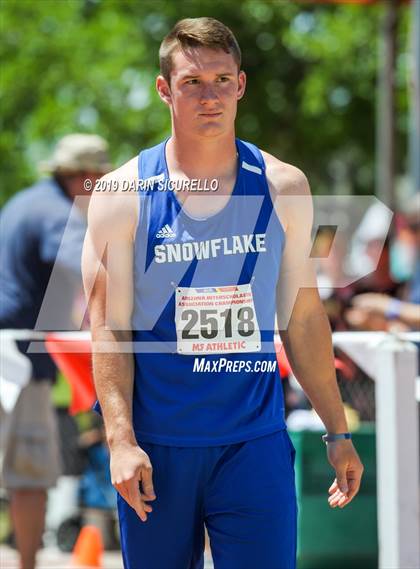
x: 90, y: 65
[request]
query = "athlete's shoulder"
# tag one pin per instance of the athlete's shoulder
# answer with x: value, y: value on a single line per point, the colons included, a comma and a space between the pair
x: 285, y: 182
x: 284, y: 178
x: 113, y: 206
x: 128, y: 172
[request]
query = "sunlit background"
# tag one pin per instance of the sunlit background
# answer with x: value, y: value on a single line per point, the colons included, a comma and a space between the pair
x: 311, y: 99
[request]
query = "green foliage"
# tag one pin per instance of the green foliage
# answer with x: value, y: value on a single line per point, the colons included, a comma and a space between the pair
x: 90, y: 65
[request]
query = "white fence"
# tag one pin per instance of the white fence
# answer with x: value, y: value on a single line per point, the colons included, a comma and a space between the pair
x: 391, y: 360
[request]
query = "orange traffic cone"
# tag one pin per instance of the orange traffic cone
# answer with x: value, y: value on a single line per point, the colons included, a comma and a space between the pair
x: 89, y: 548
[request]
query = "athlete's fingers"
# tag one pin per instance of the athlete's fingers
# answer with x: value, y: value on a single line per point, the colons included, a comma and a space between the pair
x: 354, y: 486
x: 125, y: 494
x: 347, y: 499
x: 333, y: 487
x: 135, y: 500
x: 353, y: 481
x: 341, y: 474
x: 146, y: 477
x: 121, y: 491
x: 147, y: 498
x: 344, y: 500
x: 121, y: 488
x: 335, y: 498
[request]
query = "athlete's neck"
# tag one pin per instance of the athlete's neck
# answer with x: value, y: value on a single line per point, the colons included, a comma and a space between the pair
x: 200, y: 157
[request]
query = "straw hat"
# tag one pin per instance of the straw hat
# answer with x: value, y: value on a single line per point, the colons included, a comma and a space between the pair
x: 79, y: 153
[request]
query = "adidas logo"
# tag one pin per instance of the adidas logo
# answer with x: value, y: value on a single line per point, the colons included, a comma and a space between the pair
x: 166, y: 231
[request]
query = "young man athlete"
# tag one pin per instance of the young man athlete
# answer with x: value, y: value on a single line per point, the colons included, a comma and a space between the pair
x: 194, y: 418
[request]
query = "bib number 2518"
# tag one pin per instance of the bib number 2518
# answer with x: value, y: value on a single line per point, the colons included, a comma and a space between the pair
x: 216, y: 320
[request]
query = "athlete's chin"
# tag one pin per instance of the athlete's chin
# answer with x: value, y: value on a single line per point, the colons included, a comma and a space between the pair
x: 211, y: 131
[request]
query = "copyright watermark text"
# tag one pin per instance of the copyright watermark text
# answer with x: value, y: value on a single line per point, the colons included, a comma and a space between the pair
x: 160, y: 184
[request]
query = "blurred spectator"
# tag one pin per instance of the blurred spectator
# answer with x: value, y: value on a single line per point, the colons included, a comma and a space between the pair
x: 330, y: 274
x: 397, y: 313
x: 32, y: 226
x: 370, y: 252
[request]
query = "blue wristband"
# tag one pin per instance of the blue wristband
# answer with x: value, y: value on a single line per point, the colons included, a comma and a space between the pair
x: 331, y: 438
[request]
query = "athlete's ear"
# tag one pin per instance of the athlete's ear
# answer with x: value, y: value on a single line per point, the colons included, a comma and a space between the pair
x: 241, y: 84
x: 163, y: 89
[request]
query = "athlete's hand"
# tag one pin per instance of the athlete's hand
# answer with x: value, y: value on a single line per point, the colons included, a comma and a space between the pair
x: 348, y: 468
x: 130, y: 465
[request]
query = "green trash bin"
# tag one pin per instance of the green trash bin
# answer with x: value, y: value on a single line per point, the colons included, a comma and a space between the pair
x: 329, y: 538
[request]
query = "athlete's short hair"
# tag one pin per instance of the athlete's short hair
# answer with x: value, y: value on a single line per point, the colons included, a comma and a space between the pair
x: 197, y: 32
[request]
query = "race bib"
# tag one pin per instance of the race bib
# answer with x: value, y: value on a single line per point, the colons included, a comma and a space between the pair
x: 217, y: 320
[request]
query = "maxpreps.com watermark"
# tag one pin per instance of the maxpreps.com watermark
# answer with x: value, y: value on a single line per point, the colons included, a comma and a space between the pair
x: 203, y: 365
x: 161, y: 185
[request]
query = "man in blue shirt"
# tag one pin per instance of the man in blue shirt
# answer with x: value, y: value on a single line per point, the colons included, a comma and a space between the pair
x: 32, y: 226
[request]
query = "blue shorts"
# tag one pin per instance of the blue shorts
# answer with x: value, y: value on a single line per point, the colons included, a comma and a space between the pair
x: 244, y: 493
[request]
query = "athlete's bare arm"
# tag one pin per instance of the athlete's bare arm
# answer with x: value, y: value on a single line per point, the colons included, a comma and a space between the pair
x: 107, y: 267
x: 303, y: 323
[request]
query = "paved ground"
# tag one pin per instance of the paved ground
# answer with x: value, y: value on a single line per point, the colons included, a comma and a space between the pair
x: 51, y: 558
